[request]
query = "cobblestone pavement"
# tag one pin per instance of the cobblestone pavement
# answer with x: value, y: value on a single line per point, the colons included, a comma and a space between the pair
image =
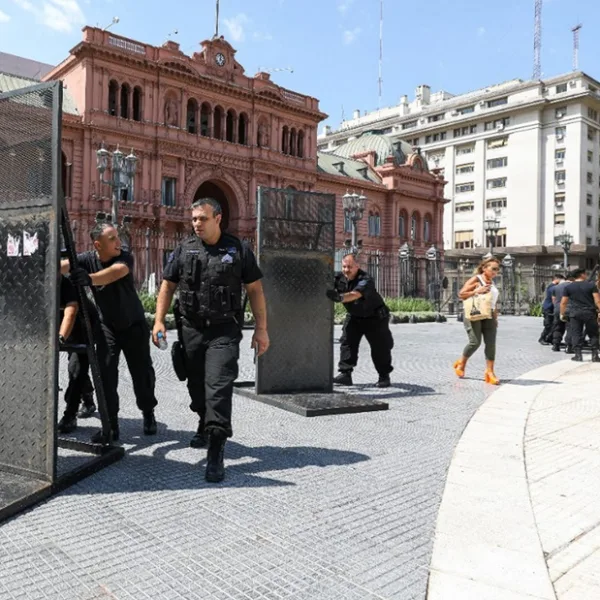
x: 338, y: 507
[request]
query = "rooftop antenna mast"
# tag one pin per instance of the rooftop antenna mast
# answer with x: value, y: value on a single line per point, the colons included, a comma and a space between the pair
x: 217, y: 20
x: 380, y: 79
x: 575, y: 31
x: 537, y: 41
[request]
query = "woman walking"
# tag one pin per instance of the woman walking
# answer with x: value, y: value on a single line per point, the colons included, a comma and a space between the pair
x: 480, y: 297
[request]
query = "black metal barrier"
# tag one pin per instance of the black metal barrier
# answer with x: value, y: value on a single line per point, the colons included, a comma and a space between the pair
x: 31, y: 213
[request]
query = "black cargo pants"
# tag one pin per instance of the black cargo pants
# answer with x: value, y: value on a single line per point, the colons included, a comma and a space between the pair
x: 211, y: 362
x: 579, y: 321
x: 79, y: 382
x: 378, y: 334
x: 559, y: 329
x: 134, y: 342
x: 548, y: 325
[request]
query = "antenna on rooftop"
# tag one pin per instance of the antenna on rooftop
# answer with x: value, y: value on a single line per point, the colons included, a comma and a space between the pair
x: 114, y: 21
x: 537, y: 41
x: 380, y: 79
x: 575, y: 31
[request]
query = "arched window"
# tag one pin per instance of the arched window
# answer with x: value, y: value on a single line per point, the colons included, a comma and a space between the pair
x: 137, y: 104
x: 402, y: 219
x: 191, y: 116
x: 125, y: 91
x: 285, y: 139
x: 218, y: 123
x: 205, y: 119
x: 293, y: 142
x: 427, y: 229
x: 230, y: 126
x: 374, y: 224
x: 414, y: 226
x: 243, y: 129
x: 113, y: 93
x: 300, y: 152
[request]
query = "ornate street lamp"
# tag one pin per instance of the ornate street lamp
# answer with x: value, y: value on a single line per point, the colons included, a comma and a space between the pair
x: 565, y: 240
x: 508, y: 285
x: 354, y: 207
x: 433, y: 257
x: 491, y: 227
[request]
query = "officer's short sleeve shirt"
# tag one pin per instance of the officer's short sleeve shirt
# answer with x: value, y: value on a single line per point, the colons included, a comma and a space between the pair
x: 171, y: 270
x: 250, y: 269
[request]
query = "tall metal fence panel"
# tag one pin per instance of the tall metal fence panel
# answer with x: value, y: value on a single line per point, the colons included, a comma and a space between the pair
x: 295, y: 244
x: 29, y: 218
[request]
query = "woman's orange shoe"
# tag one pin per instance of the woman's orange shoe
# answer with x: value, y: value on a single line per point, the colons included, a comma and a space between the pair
x: 459, y: 368
x: 491, y: 378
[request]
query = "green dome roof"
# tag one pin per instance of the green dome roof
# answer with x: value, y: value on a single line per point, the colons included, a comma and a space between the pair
x: 382, y: 145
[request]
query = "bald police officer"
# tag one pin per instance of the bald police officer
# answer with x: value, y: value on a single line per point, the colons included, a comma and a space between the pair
x: 367, y: 316
x: 209, y: 268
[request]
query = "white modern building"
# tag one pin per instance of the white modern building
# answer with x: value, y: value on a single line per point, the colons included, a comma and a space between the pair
x: 526, y: 153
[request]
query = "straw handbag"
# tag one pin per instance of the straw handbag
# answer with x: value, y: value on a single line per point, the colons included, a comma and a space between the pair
x: 479, y: 307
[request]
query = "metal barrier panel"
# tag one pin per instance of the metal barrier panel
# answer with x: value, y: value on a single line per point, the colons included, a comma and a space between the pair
x: 29, y: 184
x: 296, y: 235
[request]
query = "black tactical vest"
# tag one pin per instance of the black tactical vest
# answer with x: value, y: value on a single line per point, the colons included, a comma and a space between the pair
x: 210, y: 287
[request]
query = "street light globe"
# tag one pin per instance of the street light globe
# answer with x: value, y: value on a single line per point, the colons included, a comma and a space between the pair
x: 131, y: 164
x: 102, y: 159
x: 117, y: 160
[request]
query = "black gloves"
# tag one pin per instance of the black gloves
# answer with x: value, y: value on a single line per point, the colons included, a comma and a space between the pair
x: 334, y: 295
x: 80, y: 276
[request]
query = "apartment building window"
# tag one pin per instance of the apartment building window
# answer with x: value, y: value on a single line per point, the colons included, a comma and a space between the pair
x: 436, y: 137
x: 496, y: 163
x: 498, y: 123
x: 497, y: 143
x: 465, y: 150
x: 414, y: 142
x: 588, y: 241
x: 560, y: 112
x: 591, y: 134
x: 495, y: 203
x: 560, y: 154
x: 434, y: 118
x: 559, y: 219
x: 592, y: 114
x: 463, y: 207
x: 588, y: 220
x: 499, y: 182
x: 466, y: 110
x: 559, y: 199
x: 590, y: 177
x: 463, y: 239
x: 589, y: 199
x: 561, y: 88
x: 560, y: 176
x: 461, y: 188
x: 499, y: 239
x: 409, y: 125
x: 590, y: 156
x: 560, y: 133
x: 469, y: 130
x: 462, y: 169
x: 169, y: 187
x: 497, y: 102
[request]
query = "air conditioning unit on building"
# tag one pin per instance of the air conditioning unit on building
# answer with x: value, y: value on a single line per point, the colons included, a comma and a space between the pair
x: 500, y: 127
x: 560, y: 137
x: 572, y: 83
x: 482, y: 104
x: 454, y: 113
x: 559, y: 161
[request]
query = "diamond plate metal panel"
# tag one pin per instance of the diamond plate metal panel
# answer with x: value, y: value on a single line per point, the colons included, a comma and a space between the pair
x: 29, y: 180
x: 296, y: 254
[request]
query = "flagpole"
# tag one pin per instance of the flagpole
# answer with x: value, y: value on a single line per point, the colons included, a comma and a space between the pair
x: 217, y: 21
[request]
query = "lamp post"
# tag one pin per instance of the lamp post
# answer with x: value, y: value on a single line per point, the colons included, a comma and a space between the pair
x: 354, y: 207
x: 433, y: 257
x: 508, y: 285
x: 120, y: 164
x: 565, y: 240
x: 491, y: 227
x: 406, y: 255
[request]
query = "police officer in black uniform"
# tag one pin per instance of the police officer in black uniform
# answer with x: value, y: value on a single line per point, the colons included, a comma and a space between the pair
x: 367, y: 315
x: 209, y: 268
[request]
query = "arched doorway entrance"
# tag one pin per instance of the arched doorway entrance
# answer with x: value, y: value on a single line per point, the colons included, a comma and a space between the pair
x: 224, y: 196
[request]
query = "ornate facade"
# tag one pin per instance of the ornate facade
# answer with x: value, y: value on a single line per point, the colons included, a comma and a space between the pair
x: 199, y: 126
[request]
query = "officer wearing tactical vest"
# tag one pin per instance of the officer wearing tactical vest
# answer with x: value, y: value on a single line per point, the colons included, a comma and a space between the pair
x: 209, y: 268
x: 367, y: 315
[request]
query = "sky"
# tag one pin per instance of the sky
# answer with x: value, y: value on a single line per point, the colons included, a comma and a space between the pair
x: 331, y: 47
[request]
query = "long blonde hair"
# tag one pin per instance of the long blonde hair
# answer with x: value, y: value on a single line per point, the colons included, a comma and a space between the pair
x: 484, y: 263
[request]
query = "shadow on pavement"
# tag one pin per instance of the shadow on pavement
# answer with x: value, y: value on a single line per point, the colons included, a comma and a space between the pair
x: 396, y: 390
x: 160, y: 472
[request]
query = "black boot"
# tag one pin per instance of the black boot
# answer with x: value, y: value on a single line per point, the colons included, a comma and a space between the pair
x: 199, y: 439
x: 215, y: 469
x: 343, y: 379
x: 384, y: 381
x: 100, y: 438
x: 149, y: 422
x: 543, y: 342
x: 569, y: 350
x: 556, y: 348
x: 578, y: 357
x: 67, y: 424
x: 595, y: 357
x: 88, y: 407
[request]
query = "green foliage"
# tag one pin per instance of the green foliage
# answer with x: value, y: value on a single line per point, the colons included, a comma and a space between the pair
x: 535, y: 309
x: 409, y: 305
x: 149, y: 303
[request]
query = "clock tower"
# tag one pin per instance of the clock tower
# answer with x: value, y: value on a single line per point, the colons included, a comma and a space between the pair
x: 218, y: 55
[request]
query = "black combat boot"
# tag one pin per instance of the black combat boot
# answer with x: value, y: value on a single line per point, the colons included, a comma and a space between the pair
x: 215, y: 469
x: 199, y: 439
x: 595, y: 357
x: 343, y: 379
x: 149, y: 422
x: 578, y: 357
x: 67, y: 424
x: 544, y: 342
x: 569, y: 350
x: 88, y: 407
x: 556, y: 347
x: 384, y: 381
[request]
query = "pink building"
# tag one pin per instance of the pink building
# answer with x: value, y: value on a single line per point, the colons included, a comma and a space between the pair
x: 200, y: 126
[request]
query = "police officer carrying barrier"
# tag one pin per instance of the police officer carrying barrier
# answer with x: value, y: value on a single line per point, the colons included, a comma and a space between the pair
x: 209, y: 269
x: 367, y: 315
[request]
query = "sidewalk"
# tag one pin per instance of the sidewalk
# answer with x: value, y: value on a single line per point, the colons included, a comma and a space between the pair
x: 520, y: 514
